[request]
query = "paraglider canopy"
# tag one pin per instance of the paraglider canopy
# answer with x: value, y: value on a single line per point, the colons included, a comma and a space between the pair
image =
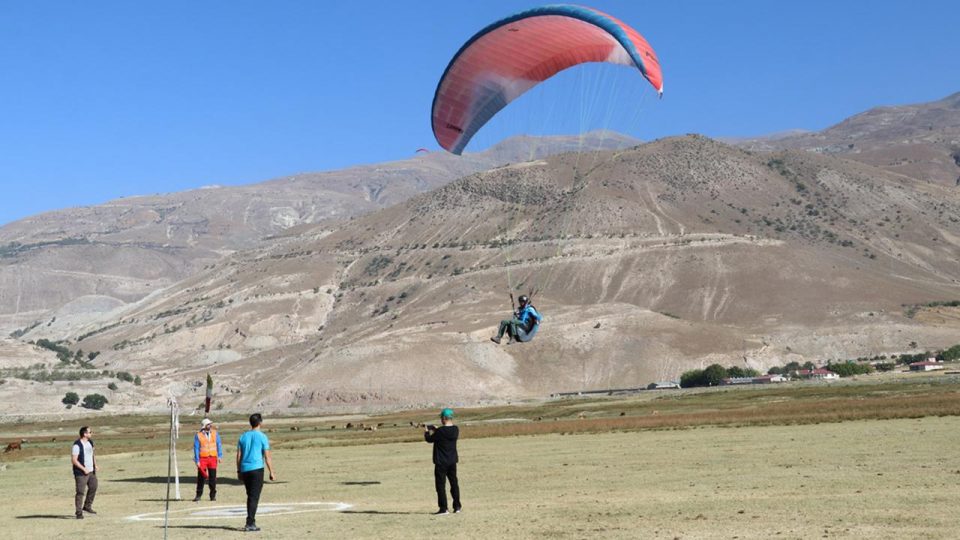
x: 508, y: 57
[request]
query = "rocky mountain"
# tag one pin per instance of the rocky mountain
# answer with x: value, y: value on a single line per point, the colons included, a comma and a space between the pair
x: 645, y: 261
x: 921, y: 141
x: 94, y: 259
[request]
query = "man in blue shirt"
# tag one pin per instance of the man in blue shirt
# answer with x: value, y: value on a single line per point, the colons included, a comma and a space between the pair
x: 523, y: 326
x: 253, y: 449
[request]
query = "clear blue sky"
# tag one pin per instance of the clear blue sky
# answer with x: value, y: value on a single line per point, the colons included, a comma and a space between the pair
x: 101, y: 99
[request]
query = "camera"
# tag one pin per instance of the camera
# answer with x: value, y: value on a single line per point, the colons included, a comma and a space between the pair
x: 431, y: 427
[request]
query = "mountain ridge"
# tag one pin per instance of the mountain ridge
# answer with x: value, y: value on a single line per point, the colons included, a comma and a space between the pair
x: 647, y: 261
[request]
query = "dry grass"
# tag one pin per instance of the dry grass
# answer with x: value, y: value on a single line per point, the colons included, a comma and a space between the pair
x: 869, y: 399
x: 888, y: 479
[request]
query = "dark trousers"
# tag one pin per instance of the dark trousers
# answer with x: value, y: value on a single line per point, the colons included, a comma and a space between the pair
x: 440, y: 474
x: 212, y: 473
x: 86, y: 485
x: 253, y: 482
x: 510, y: 326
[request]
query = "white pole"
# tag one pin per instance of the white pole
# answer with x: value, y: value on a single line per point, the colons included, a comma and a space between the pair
x: 173, y: 449
x: 172, y: 468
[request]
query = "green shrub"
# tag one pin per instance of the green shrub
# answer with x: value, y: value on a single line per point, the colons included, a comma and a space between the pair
x: 94, y: 401
x: 704, y: 377
x: 691, y: 378
x: 848, y: 368
x: 71, y: 398
x: 112, y: 386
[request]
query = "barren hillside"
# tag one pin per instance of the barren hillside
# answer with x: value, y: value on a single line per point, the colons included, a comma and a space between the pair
x: 128, y: 248
x: 645, y: 262
x: 921, y: 141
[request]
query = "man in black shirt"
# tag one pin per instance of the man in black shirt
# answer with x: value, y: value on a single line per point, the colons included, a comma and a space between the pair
x: 445, y: 459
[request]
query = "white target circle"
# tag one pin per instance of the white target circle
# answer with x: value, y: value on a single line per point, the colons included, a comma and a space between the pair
x: 234, y: 512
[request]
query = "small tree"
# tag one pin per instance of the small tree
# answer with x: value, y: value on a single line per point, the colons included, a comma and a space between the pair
x: 137, y: 381
x: 94, y: 401
x: 71, y: 398
x: 737, y: 371
x: 691, y: 378
x: 714, y: 374
x: 112, y: 386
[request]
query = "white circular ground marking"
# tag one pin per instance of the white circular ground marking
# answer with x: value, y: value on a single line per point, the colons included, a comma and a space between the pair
x: 233, y: 512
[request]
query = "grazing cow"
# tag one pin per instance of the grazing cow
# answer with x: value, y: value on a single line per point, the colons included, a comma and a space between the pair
x: 13, y: 446
x: 294, y: 428
x: 349, y: 425
x: 370, y: 428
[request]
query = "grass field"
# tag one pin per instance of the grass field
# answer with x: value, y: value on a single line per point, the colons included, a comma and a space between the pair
x: 847, y: 461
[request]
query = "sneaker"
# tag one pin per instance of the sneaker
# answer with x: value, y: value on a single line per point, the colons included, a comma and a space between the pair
x: 457, y: 510
x: 442, y: 513
x: 213, y: 498
x: 495, y: 339
x: 196, y: 499
x: 79, y: 515
x: 251, y: 528
x: 89, y: 511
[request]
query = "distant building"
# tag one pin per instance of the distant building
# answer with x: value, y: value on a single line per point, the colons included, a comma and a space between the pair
x: 737, y: 380
x: 665, y: 385
x: 819, y: 374
x: 765, y: 379
x: 926, y: 366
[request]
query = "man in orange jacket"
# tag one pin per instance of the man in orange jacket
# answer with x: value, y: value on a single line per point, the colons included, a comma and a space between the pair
x: 207, y: 454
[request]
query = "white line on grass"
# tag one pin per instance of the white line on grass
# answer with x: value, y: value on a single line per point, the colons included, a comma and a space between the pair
x: 232, y: 512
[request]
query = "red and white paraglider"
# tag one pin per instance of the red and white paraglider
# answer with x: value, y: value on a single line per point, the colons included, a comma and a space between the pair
x: 511, y: 56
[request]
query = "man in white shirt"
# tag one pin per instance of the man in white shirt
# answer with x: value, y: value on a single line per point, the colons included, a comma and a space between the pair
x: 84, y: 472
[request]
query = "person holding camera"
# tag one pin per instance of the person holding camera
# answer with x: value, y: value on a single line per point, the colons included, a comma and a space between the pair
x: 444, y: 440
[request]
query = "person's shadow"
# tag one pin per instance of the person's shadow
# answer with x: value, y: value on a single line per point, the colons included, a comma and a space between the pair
x: 380, y: 513
x: 187, y: 480
x: 202, y: 527
x: 221, y: 480
x: 47, y: 516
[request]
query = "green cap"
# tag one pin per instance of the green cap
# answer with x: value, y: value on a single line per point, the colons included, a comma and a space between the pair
x: 446, y: 413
